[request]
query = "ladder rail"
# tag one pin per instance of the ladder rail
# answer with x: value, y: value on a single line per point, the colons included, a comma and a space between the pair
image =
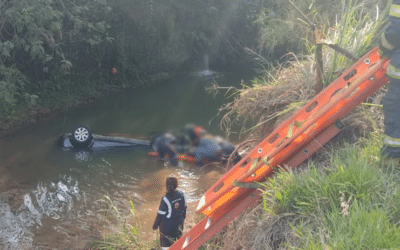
x: 279, y: 150
x: 320, y: 121
x: 208, y: 227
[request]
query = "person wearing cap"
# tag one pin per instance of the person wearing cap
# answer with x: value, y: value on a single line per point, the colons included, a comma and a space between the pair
x: 171, y: 214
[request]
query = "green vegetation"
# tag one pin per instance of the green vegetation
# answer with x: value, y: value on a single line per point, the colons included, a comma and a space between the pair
x: 259, y: 106
x: 347, y: 198
x: 56, y: 51
x: 52, y: 52
x: 39, y: 50
x: 126, y: 234
x: 352, y: 203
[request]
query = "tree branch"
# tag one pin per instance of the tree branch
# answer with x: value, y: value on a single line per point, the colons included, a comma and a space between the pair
x: 347, y: 53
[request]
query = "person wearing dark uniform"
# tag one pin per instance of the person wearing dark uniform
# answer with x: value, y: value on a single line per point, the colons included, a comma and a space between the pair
x: 171, y: 214
x: 389, y: 46
x: 195, y: 133
x: 165, y: 144
x: 227, y: 149
x: 208, y: 148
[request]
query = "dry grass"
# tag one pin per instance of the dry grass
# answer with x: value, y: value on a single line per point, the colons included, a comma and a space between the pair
x: 258, y: 230
x: 267, y: 106
x: 261, y: 108
x: 258, y: 109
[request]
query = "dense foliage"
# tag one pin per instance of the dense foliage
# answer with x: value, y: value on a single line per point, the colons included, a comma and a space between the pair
x: 283, y: 29
x: 52, y: 51
x: 43, y: 43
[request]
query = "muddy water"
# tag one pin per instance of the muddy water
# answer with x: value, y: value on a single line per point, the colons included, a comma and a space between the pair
x: 50, y: 199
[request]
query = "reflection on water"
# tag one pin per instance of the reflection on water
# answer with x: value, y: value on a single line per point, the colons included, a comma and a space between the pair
x: 208, y: 74
x: 50, y: 199
x: 69, y: 205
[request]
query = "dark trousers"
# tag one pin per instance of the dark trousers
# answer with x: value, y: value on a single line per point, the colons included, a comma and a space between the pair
x: 167, y: 238
x: 391, y: 109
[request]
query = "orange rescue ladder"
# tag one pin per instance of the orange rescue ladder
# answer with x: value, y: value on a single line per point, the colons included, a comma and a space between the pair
x: 291, y: 143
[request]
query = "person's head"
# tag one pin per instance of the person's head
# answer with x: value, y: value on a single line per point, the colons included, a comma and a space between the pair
x: 171, y: 185
x: 195, y: 132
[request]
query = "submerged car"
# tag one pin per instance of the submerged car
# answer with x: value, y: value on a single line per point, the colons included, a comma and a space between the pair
x: 83, y: 142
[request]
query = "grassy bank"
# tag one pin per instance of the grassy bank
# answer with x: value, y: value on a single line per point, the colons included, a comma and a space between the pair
x: 124, y: 230
x: 347, y: 197
x: 349, y: 202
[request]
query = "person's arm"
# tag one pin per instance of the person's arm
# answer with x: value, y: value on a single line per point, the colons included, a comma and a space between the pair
x: 390, y: 37
x: 170, y: 142
x: 162, y: 212
x: 185, y: 202
x: 173, y: 154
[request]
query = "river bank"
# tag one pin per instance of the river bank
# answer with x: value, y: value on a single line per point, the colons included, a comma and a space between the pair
x: 34, y: 115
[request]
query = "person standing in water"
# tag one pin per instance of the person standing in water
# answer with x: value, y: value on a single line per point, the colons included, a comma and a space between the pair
x: 171, y: 214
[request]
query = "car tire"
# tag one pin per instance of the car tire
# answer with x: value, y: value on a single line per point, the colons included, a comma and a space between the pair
x: 81, y: 137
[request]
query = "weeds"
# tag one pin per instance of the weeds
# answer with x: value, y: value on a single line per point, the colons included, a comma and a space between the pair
x: 129, y: 237
x: 350, y: 198
x: 279, y: 92
x: 351, y: 202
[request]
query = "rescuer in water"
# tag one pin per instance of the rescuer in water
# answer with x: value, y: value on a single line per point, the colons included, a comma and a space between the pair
x: 171, y: 214
x: 389, y: 46
x: 208, y: 148
x: 167, y: 143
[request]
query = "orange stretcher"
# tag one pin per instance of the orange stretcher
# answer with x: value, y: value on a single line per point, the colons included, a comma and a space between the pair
x: 181, y: 157
x: 288, y: 145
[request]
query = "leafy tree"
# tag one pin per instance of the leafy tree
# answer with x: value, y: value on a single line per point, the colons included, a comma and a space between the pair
x: 45, y: 39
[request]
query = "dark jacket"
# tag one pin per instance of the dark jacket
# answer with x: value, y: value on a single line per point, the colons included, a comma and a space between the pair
x: 165, y: 144
x: 390, y: 37
x: 207, y: 150
x: 227, y: 148
x: 171, y: 213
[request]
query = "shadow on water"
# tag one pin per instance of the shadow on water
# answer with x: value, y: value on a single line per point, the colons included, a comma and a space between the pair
x: 51, y: 199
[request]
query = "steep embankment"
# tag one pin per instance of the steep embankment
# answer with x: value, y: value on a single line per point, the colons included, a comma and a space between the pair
x: 346, y: 197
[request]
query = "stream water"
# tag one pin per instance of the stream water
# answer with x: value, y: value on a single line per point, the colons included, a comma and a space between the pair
x: 50, y: 200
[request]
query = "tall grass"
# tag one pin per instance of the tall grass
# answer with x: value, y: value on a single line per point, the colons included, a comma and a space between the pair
x: 126, y: 234
x: 353, y: 203
x: 271, y: 97
x: 357, y: 29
